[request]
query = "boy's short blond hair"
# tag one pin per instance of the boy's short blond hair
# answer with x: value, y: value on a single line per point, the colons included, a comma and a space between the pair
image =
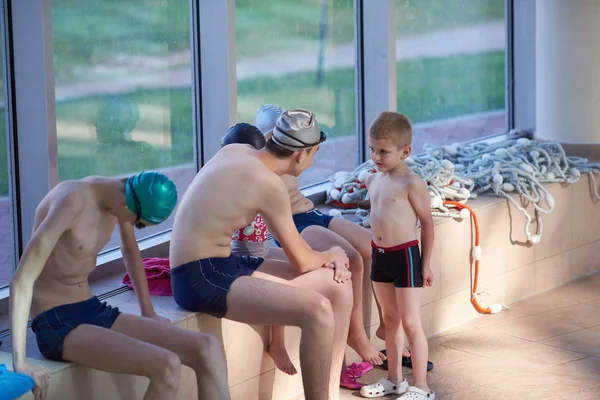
x: 393, y: 126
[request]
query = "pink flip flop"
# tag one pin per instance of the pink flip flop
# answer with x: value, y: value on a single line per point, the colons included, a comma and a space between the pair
x: 348, y: 380
x: 360, y: 369
x: 349, y: 375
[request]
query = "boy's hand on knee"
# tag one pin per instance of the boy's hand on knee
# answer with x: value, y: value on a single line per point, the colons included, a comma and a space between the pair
x: 427, y: 277
x: 339, y: 254
x: 341, y: 273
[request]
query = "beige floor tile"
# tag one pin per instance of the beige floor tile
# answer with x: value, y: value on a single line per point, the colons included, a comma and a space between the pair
x: 479, y: 341
x: 537, y: 385
x: 585, y: 260
x: 441, y: 355
x: 586, y: 213
x: 553, y: 271
x: 557, y: 225
x: 476, y: 393
x: 593, y: 303
x: 520, y: 283
x: 579, y: 291
x: 542, y: 302
x: 448, y: 312
x: 493, y: 241
x: 489, y: 320
x: 521, y: 251
x: 535, y: 327
x: 445, y: 384
x: 455, y: 244
x: 578, y: 315
x: 115, y: 301
x: 590, y: 393
x: 586, y: 369
x: 257, y: 388
x: 245, y: 357
x: 479, y: 370
x: 534, y: 356
x: 585, y: 341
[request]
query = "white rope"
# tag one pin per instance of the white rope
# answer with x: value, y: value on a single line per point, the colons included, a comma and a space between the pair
x: 459, y: 172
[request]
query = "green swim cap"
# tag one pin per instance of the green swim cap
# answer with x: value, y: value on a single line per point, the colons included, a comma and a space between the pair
x: 155, y: 193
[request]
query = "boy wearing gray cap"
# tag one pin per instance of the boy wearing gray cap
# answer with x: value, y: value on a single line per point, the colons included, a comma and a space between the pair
x: 310, y: 291
x: 321, y: 231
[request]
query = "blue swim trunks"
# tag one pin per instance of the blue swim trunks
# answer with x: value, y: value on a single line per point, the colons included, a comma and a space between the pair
x: 309, y: 218
x: 52, y: 327
x: 202, y: 286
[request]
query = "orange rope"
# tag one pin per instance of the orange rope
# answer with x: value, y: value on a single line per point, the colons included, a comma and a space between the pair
x: 474, y: 301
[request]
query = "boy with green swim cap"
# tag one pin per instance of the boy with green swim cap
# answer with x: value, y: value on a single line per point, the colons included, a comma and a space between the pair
x: 73, y: 223
x: 151, y: 197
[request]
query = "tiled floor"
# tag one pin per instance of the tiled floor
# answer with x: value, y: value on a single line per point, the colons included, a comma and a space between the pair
x: 546, y: 347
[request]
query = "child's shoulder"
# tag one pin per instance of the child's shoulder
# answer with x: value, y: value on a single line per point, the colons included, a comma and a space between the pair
x: 371, y: 178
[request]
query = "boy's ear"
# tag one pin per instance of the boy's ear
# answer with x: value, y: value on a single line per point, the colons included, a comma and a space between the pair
x: 406, y: 151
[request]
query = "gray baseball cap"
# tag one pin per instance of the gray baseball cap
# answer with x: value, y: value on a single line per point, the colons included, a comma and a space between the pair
x: 297, y: 129
x: 266, y: 117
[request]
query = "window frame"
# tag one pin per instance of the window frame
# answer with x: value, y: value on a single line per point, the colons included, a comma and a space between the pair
x: 29, y: 85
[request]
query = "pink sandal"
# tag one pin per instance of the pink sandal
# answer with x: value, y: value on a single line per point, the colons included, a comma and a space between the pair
x: 349, y: 375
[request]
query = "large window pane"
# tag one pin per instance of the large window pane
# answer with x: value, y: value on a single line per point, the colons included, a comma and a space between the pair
x: 451, y: 68
x: 123, y: 89
x: 7, y: 250
x: 300, y: 53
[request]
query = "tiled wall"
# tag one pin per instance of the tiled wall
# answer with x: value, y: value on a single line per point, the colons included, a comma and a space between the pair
x: 510, y: 270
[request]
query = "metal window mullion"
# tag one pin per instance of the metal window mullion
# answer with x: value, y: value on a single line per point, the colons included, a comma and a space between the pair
x: 217, y: 72
x: 376, y: 53
x: 196, y: 82
x: 31, y: 109
x: 521, y: 47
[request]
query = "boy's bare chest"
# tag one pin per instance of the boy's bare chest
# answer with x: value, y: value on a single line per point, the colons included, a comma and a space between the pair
x: 89, y: 235
x: 386, y: 193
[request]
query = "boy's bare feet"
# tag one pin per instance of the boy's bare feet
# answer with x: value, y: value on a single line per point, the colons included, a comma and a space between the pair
x: 281, y: 358
x: 380, y: 333
x: 366, y: 350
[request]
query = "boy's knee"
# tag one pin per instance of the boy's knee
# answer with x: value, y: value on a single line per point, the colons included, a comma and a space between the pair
x: 168, y: 370
x: 320, y: 312
x: 342, y: 295
x: 412, y: 328
x: 207, y: 347
x: 391, y: 320
x: 356, y: 261
x: 366, y: 252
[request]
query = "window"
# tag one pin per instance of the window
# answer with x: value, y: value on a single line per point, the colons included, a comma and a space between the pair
x: 301, y: 54
x: 123, y: 90
x: 7, y: 249
x: 451, y: 69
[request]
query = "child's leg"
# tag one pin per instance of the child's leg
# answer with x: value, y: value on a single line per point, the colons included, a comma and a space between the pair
x: 409, y: 305
x: 321, y: 239
x: 394, y: 336
x: 278, y: 352
x: 380, y: 332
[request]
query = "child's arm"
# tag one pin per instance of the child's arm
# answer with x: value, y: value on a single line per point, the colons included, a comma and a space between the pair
x: 418, y: 195
x: 135, y: 267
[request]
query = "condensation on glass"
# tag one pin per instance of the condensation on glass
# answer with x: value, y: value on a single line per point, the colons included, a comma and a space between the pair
x: 450, y: 69
x: 301, y: 54
x: 123, y: 90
